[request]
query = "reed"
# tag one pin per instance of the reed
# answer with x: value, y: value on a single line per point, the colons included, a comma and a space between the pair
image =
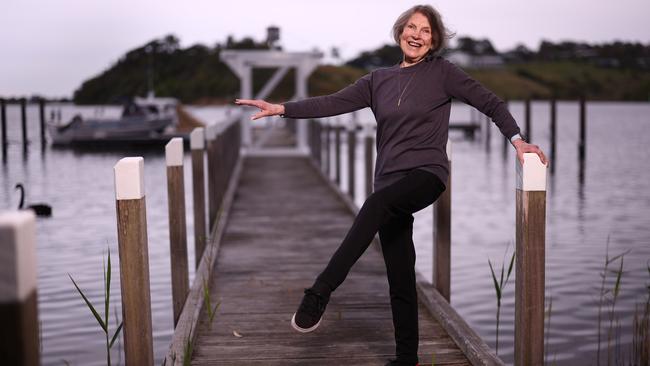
x: 103, y: 322
x: 640, y: 347
x: 499, y: 286
x: 212, y: 311
x: 188, y: 349
x: 612, y: 315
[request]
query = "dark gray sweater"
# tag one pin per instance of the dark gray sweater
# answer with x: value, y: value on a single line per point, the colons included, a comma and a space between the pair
x: 413, y: 135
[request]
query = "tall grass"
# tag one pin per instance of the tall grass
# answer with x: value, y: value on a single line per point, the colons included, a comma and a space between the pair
x: 640, y: 347
x: 103, y: 322
x: 499, y: 286
x: 609, y: 295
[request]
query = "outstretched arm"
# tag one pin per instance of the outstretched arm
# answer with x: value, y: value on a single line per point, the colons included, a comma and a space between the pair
x: 351, y: 98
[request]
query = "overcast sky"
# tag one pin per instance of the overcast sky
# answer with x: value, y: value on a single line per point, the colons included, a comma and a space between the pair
x: 49, y: 47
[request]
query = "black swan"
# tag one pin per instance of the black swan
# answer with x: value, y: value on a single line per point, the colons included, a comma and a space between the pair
x: 39, y: 209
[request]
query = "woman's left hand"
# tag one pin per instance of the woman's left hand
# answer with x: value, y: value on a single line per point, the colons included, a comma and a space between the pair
x: 523, y: 147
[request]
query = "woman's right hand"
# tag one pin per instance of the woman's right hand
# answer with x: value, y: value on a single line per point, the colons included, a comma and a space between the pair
x: 266, y: 109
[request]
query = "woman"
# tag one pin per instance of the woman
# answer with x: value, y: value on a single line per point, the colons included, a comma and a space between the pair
x: 411, y: 102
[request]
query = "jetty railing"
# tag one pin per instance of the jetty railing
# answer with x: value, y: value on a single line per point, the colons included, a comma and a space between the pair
x: 223, y: 165
x: 530, y: 241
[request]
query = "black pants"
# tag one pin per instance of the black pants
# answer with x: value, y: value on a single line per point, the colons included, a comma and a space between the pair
x: 389, y: 212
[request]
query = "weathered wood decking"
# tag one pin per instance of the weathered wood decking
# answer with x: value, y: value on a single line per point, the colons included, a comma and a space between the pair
x: 284, y: 224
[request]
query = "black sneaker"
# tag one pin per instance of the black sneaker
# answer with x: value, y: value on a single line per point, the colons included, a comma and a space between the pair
x: 310, y: 312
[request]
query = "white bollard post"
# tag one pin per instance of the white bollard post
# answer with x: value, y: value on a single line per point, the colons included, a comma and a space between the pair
x: 197, y: 145
x: 530, y: 237
x: 177, y: 225
x: 18, y: 295
x: 134, y: 261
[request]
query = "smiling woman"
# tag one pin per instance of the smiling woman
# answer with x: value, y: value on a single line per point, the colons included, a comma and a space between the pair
x: 411, y: 102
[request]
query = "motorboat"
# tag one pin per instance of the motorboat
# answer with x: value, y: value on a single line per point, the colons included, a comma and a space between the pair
x: 142, y: 119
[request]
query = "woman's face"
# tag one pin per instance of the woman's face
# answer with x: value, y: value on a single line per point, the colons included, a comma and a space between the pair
x: 416, y: 39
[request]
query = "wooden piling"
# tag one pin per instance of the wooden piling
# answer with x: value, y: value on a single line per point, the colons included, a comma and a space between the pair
x: 41, y: 112
x: 488, y: 129
x: 210, y: 137
x: 134, y: 261
x: 337, y: 154
x: 23, y: 119
x: 352, y: 150
x: 3, y: 120
x: 18, y: 289
x: 506, y: 141
x: 530, y: 237
x: 529, y: 132
x: 327, y: 151
x: 442, y: 238
x: 197, y: 145
x: 319, y: 143
x: 316, y: 140
x: 177, y: 225
x: 582, y: 138
x: 553, y: 132
x: 369, y: 160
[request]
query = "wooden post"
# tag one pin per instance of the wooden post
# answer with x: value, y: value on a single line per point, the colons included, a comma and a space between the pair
x: 369, y: 160
x: 197, y: 145
x: 41, y: 112
x: 23, y: 119
x: 210, y: 136
x: 553, y: 133
x: 3, y: 119
x: 506, y: 141
x: 488, y: 138
x: 177, y: 225
x: 529, y: 132
x: 327, y: 151
x: 18, y: 284
x: 530, y: 237
x: 134, y: 261
x: 442, y: 238
x: 337, y: 154
x: 352, y: 147
x: 319, y: 143
x: 582, y: 140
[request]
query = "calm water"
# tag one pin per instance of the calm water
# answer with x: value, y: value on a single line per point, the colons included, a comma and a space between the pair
x: 611, y: 201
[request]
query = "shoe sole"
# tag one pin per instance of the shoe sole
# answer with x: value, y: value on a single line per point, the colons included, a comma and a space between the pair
x: 303, y: 330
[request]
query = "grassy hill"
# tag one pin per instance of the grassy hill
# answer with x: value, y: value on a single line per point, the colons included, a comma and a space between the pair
x: 197, y: 75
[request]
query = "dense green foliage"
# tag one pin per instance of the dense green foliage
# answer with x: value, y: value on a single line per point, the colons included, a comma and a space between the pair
x: 196, y: 74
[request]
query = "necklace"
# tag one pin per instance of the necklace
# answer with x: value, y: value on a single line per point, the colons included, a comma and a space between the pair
x: 399, y: 85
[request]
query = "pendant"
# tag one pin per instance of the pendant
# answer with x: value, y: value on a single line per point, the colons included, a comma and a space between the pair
x: 399, y: 101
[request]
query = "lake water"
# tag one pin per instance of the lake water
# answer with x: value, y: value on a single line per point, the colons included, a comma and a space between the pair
x: 610, y: 201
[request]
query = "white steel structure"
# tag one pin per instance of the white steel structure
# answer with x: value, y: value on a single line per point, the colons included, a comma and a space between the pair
x: 242, y: 63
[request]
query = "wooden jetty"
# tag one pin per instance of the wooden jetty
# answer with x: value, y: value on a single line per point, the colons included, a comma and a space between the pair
x: 274, y: 219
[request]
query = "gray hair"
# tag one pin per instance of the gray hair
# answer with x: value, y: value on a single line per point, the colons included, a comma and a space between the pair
x: 440, y: 34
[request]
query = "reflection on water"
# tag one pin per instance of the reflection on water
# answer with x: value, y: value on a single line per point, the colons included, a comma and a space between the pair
x: 607, y: 197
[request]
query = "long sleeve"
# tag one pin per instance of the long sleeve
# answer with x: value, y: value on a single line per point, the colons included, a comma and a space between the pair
x: 351, y: 98
x: 461, y: 86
